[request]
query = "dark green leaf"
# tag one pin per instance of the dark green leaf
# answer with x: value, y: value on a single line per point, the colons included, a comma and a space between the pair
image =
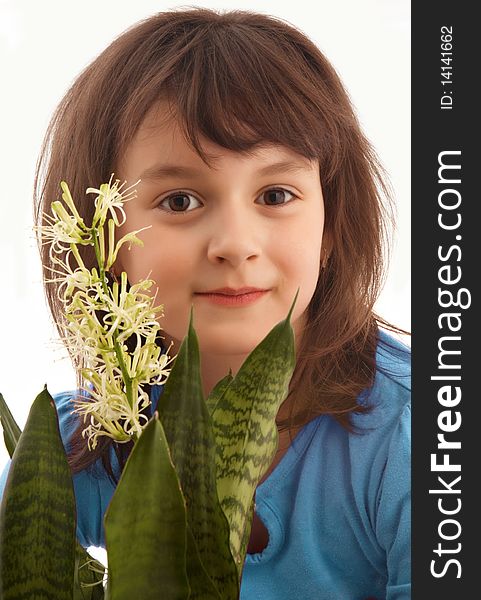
x: 145, y: 525
x: 37, y: 517
x: 89, y: 573
x: 188, y: 428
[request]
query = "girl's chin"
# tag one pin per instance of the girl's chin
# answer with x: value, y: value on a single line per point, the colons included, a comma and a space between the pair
x: 233, y: 343
x: 232, y: 346
x: 238, y: 339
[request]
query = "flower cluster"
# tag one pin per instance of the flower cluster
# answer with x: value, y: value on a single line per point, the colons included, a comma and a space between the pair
x: 101, y: 317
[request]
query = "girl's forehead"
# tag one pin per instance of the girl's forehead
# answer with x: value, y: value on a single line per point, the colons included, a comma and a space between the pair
x: 163, y: 130
x: 161, y: 135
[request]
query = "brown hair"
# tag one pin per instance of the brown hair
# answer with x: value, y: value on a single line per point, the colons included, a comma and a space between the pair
x: 239, y: 79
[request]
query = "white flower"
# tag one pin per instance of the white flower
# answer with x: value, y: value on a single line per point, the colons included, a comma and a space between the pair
x: 100, y: 319
x: 63, y: 230
x: 111, y: 198
x: 72, y: 278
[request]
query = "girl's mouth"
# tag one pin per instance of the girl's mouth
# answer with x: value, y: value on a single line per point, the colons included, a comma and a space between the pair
x: 233, y: 300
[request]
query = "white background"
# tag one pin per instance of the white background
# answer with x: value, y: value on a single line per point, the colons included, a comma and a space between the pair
x: 44, y: 45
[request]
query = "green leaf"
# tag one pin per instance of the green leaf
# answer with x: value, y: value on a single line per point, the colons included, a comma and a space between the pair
x: 218, y: 392
x: 37, y: 516
x: 145, y: 525
x: 11, y: 431
x: 87, y: 569
x: 188, y: 428
x: 247, y: 532
x: 245, y: 429
x: 89, y: 574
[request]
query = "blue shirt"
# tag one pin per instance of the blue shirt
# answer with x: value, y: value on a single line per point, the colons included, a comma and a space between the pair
x: 336, y: 507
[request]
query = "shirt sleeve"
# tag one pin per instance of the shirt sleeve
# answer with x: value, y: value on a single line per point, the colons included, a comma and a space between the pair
x: 393, y: 521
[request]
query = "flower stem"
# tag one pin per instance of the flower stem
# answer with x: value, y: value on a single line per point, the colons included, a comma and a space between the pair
x: 118, y: 350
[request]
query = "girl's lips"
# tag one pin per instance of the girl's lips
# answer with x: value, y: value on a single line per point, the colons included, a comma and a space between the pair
x: 230, y: 300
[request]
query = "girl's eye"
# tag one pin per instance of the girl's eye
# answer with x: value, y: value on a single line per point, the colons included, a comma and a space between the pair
x: 276, y: 197
x: 180, y: 202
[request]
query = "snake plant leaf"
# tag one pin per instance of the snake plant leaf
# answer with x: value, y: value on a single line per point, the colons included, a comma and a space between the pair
x: 212, y: 401
x: 245, y: 428
x: 188, y: 429
x: 145, y: 525
x: 202, y: 587
x: 11, y: 431
x: 37, y: 516
x: 218, y: 391
x: 87, y: 569
x: 88, y: 578
x: 247, y: 531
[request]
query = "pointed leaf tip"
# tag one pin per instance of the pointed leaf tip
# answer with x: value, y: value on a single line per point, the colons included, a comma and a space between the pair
x: 293, y: 304
x: 11, y: 431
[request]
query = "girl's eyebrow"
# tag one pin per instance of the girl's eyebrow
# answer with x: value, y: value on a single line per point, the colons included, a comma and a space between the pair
x: 161, y: 171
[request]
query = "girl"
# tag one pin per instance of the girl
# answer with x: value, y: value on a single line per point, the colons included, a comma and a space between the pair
x: 256, y: 180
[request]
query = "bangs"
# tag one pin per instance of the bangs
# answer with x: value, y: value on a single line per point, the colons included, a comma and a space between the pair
x: 236, y: 87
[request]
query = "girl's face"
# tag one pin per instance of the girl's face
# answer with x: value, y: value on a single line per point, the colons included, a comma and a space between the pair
x: 253, y: 221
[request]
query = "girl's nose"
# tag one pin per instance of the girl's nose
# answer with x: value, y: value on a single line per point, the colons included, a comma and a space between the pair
x: 233, y: 238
